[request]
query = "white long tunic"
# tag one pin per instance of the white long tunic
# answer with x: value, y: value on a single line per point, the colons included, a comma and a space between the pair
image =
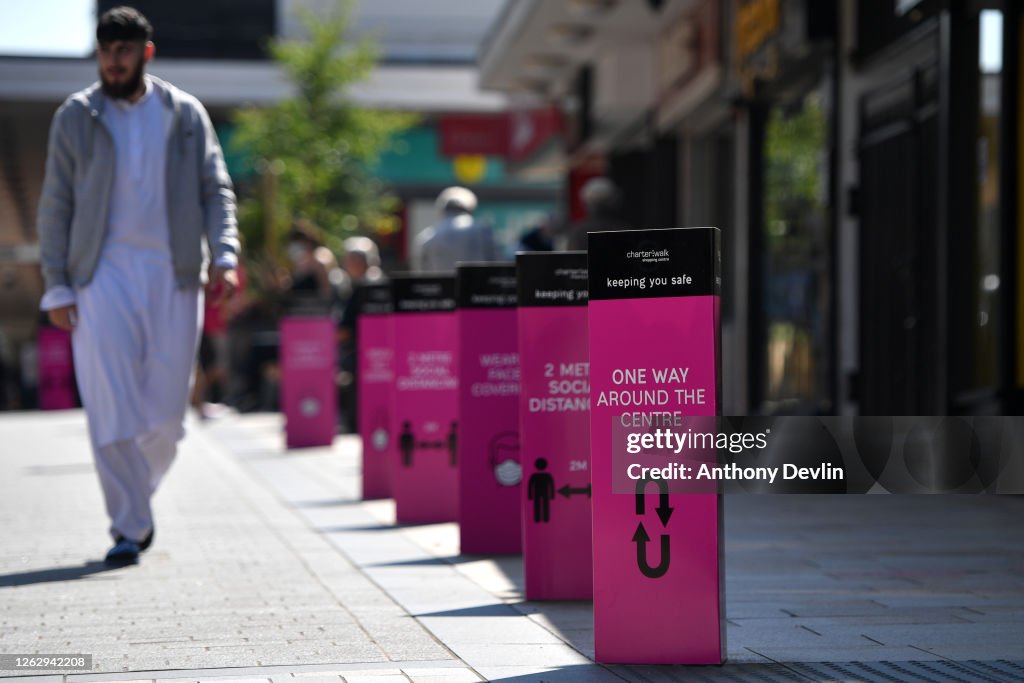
x: 137, y: 333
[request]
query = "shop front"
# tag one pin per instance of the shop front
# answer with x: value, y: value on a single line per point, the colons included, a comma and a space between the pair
x: 786, y: 67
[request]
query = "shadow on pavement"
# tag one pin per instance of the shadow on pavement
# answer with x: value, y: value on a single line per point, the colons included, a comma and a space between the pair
x: 54, y: 575
x: 616, y: 673
x: 994, y: 671
x: 497, y: 610
x: 430, y: 561
x: 365, y: 527
x: 329, y: 503
x: 584, y: 673
x: 499, y: 560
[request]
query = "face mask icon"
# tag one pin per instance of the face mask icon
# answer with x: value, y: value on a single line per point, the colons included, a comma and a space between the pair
x: 309, y: 407
x: 379, y: 436
x: 504, y: 459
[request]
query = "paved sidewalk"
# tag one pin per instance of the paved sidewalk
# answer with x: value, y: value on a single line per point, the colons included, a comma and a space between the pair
x: 267, y: 567
x: 234, y: 579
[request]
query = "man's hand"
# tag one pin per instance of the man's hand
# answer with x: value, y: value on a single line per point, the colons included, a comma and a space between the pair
x: 65, y: 317
x: 224, y: 282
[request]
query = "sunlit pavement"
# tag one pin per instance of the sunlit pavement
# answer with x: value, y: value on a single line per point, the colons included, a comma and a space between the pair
x: 267, y: 567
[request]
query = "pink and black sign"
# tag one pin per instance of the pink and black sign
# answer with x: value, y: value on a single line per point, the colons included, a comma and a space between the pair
x: 56, y: 370
x: 654, y: 354
x: 554, y: 424
x: 308, y: 369
x: 489, y: 469
x: 424, y: 464
x: 374, y: 378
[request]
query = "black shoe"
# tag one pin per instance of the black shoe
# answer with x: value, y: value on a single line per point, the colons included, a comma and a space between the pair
x: 123, y: 553
x: 143, y: 544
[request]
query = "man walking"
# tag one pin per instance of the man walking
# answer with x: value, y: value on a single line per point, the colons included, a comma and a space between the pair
x: 456, y: 237
x: 136, y: 194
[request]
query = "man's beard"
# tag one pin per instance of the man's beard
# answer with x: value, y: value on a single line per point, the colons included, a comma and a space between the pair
x: 126, y: 88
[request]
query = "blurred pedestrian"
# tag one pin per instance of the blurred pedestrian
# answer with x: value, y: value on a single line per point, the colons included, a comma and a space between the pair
x: 135, y: 195
x: 602, y: 201
x: 310, y: 267
x: 540, y: 237
x: 362, y: 260
x: 210, y: 388
x: 456, y: 237
x: 362, y: 263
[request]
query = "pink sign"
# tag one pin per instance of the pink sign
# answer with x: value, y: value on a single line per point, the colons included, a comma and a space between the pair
x: 374, y: 379
x: 424, y: 471
x: 489, y: 469
x: 308, y: 368
x: 56, y: 370
x: 653, y: 319
x: 554, y: 419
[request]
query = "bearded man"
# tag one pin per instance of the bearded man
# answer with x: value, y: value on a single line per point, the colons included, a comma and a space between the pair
x: 135, y: 197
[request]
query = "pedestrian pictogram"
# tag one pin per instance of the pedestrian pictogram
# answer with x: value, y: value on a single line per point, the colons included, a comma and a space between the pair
x: 408, y: 444
x: 453, y: 444
x: 541, y: 490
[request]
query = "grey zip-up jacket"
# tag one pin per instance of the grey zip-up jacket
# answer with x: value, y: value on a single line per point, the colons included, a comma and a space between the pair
x: 73, y: 209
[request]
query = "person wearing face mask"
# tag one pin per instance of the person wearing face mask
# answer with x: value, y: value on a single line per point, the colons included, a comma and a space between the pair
x: 135, y: 197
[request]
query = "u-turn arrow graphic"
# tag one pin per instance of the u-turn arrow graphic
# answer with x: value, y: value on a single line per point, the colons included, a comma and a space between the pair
x: 664, y: 510
x: 641, y: 539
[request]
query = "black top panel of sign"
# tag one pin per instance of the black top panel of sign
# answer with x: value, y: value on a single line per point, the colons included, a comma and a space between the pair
x: 552, y: 278
x: 374, y: 299
x: 485, y: 285
x: 423, y: 293
x: 651, y: 264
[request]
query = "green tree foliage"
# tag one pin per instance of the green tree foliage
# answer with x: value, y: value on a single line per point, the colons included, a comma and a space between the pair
x: 312, y: 151
x: 794, y: 173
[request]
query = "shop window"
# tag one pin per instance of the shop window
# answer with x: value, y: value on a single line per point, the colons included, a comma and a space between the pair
x: 982, y: 368
x: 795, y: 256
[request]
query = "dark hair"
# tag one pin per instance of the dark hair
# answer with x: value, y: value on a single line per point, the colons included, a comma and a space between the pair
x: 303, y: 231
x: 123, y: 23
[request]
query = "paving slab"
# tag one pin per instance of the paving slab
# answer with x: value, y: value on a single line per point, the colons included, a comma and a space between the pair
x: 267, y: 567
x: 235, y: 578
x: 816, y: 593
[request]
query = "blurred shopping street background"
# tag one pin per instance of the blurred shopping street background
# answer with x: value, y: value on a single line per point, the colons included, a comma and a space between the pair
x: 863, y: 159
